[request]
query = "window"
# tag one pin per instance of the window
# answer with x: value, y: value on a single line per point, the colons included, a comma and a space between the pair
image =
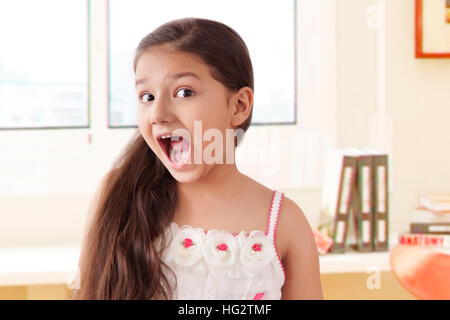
x: 269, y: 35
x: 43, y: 64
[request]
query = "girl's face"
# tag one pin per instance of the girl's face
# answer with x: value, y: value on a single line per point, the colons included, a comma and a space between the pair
x: 174, y: 89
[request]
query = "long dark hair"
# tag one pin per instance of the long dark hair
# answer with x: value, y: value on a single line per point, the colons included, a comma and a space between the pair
x: 139, y: 195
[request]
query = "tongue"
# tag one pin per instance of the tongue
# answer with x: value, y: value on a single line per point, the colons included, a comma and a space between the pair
x: 179, y: 151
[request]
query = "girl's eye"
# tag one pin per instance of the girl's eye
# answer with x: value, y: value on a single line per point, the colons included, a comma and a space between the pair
x: 187, y: 91
x: 146, y: 97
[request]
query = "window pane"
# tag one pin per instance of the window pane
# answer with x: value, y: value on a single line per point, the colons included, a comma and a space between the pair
x: 43, y: 64
x: 269, y: 36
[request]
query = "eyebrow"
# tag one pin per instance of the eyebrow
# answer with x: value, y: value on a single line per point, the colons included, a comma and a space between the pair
x: 172, y: 76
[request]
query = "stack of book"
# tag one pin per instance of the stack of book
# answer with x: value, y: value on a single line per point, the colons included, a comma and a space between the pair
x: 354, y: 210
x: 429, y: 222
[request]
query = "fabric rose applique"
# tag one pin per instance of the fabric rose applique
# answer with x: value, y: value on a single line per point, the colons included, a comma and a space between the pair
x: 221, y: 248
x: 225, y: 253
x: 257, y: 252
x: 186, y: 247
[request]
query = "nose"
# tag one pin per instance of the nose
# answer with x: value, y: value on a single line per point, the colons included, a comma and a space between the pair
x: 160, y: 112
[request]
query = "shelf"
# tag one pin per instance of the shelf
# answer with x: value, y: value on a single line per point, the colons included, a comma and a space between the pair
x: 56, y: 265
x: 358, y: 262
x: 37, y: 265
x: 354, y: 262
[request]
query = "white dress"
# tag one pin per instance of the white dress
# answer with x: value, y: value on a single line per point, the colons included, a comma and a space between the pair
x: 219, y: 265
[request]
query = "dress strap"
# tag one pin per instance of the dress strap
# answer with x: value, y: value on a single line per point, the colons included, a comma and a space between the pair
x: 271, y: 229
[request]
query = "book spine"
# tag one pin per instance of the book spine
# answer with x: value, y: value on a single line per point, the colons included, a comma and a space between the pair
x: 352, y: 233
x: 345, y: 194
x: 425, y: 240
x: 381, y: 204
x: 364, y: 210
x: 431, y: 228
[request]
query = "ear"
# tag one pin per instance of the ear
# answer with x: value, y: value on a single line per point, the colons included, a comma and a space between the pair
x: 242, y: 104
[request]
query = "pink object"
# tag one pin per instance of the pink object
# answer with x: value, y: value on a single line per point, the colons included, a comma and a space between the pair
x: 256, y: 247
x: 272, y: 223
x: 323, y: 242
x: 188, y: 242
x: 422, y: 271
x: 222, y: 247
x: 258, y: 296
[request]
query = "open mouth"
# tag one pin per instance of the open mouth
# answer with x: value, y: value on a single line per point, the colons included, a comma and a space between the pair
x: 176, y: 148
x: 168, y: 142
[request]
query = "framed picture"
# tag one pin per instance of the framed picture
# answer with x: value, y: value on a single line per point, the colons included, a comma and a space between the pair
x: 432, y: 23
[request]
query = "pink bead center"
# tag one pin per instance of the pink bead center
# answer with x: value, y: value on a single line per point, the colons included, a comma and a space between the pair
x: 256, y: 247
x: 188, y: 242
x: 222, y: 247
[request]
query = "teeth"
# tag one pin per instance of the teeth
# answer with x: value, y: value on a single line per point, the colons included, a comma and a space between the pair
x: 172, y: 138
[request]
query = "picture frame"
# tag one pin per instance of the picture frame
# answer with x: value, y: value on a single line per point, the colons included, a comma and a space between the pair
x: 432, y: 35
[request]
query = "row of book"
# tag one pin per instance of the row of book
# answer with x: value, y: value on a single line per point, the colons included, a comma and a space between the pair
x: 355, y: 203
x: 429, y: 222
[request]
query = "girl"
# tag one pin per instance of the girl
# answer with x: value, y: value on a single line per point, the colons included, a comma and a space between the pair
x: 164, y: 225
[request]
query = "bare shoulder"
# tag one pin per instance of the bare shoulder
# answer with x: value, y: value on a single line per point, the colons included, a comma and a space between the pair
x: 300, y: 257
x: 293, y: 226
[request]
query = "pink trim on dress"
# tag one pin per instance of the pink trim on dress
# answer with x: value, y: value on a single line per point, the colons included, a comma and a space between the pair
x: 275, y: 235
x: 258, y: 296
x: 270, y: 212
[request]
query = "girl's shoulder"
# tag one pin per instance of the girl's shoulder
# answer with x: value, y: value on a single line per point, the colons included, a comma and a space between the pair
x: 292, y: 226
x: 300, y: 256
x: 292, y: 222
